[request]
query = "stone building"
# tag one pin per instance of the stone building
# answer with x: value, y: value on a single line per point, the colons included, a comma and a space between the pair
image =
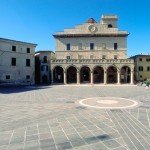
x: 93, y: 52
x: 42, y: 66
x: 142, y: 66
x: 16, y: 62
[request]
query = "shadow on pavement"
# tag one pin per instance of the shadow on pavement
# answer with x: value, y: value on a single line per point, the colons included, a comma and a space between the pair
x: 19, y: 89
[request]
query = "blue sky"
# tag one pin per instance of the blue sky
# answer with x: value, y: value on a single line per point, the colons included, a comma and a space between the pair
x: 37, y: 20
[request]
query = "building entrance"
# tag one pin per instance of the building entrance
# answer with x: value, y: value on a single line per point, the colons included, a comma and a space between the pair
x: 58, y: 74
x: 85, y: 75
x: 71, y: 75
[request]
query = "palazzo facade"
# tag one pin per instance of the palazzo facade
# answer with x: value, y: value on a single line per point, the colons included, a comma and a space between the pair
x: 94, y: 52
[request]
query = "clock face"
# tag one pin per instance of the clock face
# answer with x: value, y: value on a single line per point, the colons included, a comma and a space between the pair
x: 92, y: 28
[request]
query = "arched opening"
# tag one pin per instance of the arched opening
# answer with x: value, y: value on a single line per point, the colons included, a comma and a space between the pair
x: 85, y: 75
x: 98, y: 75
x: 58, y: 74
x: 71, y: 75
x: 112, y: 75
x: 125, y: 74
x: 110, y: 26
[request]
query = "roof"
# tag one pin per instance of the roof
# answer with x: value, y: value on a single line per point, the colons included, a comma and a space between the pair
x: 109, y: 17
x: 91, y: 20
x: 141, y: 55
x: 47, y: 51
x: 92, y: 35
x: 10, y: 40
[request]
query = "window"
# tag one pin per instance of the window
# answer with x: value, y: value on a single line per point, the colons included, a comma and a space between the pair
x: 80, y: 46
x: 115, y: 57
x: 28, y: 50
x: 103, y: 46
x: 46, y: 68
x: 91, y: 56
x: 147, y: 59
x: 28, y: 62
x: 27, y: 76
x: 148, y: 68
x: 13, y: 61
x: 91, y: 46
x: 14, y: 48
x: 45, y: 59
x: 42, y: 68
x: 103, y: 56
x: 140, y: 68
x: 68, y: 46
x: 110, y: 26
x: 140, y: 76
x: 80, y: 56
x: 68, y: 57
x: 115, y: 46
x: 140, y: 59
x: 7, y: 77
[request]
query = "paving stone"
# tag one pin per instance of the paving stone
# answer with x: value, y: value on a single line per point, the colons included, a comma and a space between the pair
x: 78, y: 142
x: 32, y: 137
x: 49, y: 115
x: 112, y: 144
x: 47, y: 143
x: 18, y: 146
x: 65, y: 145
x: 98, y: 146
x: 29, y: 145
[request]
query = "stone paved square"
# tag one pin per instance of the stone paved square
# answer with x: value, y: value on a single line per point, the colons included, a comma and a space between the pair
x: 51, y: 118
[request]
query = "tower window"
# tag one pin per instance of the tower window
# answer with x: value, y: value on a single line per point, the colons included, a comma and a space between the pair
x: 91, y: 46
x: 110, y: 26
x: 140, y: 59
x: 115, y: 46
x: 68, y: 46
x: 148, y: 68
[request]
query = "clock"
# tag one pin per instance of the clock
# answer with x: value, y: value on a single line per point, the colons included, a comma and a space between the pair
x: 92, y: 28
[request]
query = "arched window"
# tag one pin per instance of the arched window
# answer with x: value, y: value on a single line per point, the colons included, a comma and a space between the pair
x: 110, y: 26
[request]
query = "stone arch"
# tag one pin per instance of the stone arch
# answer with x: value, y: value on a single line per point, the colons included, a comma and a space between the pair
x: 85, y: 74
x: 71, y: 74
x: 111, y: 74
x: 98, y: 74
x: 58, y: 74
x: 125, y: 74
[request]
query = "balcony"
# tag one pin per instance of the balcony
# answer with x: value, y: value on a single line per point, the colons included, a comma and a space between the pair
x: 92, y: 61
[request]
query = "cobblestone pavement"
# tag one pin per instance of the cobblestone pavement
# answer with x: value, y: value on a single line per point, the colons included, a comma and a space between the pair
x: 48, y: 118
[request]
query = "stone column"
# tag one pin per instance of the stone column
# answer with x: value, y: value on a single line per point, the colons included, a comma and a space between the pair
x: 132, y: 75
x: 105, y: 76
x: 78, y: 77
x: 65, y: 78
x: 91, y: 77
x: 118, y: 76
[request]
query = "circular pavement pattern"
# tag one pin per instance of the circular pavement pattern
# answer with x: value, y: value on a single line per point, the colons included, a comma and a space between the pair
x: 108, y: 103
